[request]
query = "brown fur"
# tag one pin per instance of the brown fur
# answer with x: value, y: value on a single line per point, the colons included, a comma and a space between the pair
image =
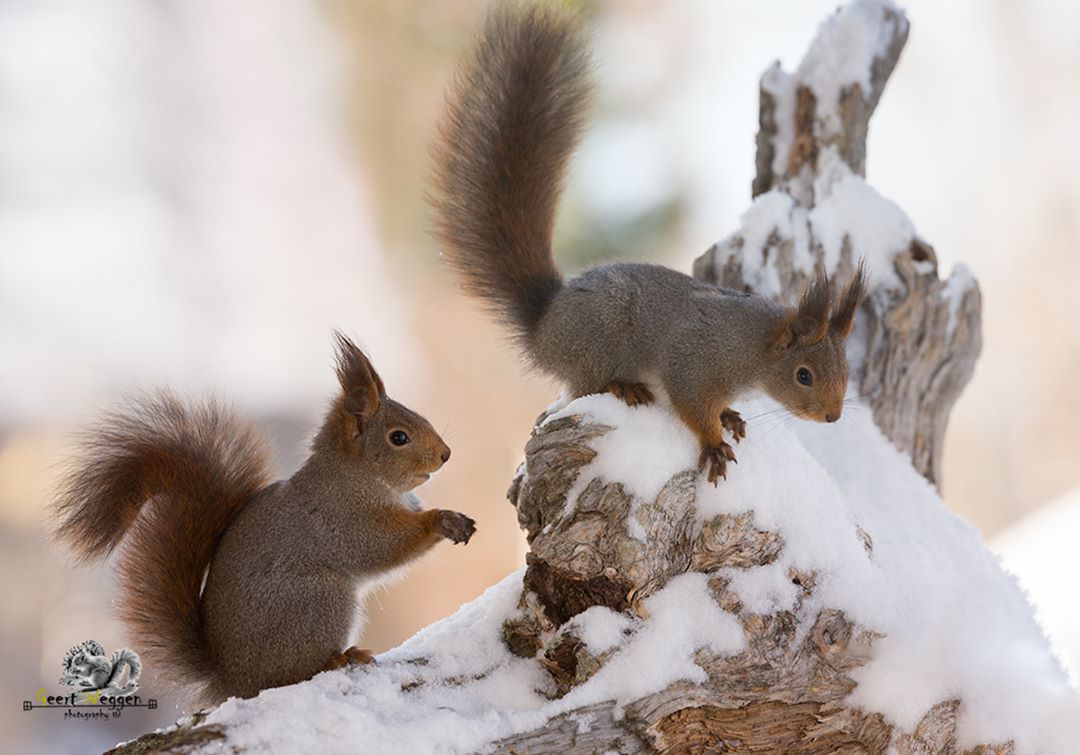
x: 185, y: 488
x: 513, y: 118
x: 198, y: 466
x: 847, y: 303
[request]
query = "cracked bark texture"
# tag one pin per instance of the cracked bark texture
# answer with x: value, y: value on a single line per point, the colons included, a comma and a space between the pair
x: 784, y: 693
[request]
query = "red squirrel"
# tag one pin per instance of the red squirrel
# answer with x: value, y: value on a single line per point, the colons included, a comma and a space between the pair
x: 185, y: 488
x: 514, y: 116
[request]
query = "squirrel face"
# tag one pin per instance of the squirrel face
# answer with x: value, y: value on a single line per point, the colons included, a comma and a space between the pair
x: 401, y: 445
x: 811, y: 379
x: 809, y: 372
x: 390, y: 441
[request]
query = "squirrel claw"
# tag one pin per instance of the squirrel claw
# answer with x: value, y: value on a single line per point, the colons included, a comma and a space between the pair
x: 734, y: 424
x: 456, y: 527
x: 715, y: 459
x: 632, y: 394
x: 353, y: 656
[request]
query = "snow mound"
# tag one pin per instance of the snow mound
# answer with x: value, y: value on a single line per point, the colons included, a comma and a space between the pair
x: 1041, y: 551
x: 953, y: 624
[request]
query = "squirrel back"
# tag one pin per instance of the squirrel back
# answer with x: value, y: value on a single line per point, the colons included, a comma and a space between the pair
x: 199, y: 465
x: 513, y: 118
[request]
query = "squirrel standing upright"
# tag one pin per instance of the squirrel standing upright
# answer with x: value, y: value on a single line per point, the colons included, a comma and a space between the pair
x: 186, y: 489
x: 513, y: 118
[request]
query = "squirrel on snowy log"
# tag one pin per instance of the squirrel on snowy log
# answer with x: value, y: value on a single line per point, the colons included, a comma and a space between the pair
x: 821, y: 600
x: 512, y: 121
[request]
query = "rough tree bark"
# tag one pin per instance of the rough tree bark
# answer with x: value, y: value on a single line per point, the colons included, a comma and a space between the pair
x: 786, y: 691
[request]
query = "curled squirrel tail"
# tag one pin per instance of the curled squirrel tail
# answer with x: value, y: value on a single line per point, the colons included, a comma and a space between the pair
x: 513, y: 117
x: 197, y: 466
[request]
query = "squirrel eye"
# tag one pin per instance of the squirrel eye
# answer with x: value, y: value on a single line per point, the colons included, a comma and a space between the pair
x: 804, y: 376
x: 399, y: 438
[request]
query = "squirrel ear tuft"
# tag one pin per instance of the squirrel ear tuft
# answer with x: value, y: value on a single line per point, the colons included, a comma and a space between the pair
x: 808, y: 324
x: 843, y: 317
x: 360, y: 383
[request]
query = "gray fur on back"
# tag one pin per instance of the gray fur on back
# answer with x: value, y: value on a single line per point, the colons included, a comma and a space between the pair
x: 634, y: 322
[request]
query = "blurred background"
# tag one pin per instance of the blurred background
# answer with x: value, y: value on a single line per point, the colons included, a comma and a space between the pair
x: 195, y: 193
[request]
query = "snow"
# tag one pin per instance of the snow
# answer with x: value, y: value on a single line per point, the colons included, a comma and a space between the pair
x: 844, y: 49
x: 772, y: 217
x: 683, y: 617
x: 643, y: 481
x: 601, y: 629
x: 841, y: 55
x: 848, y: 211
x: 378, y: 709
x: 960, y: 282
x: 954, y: 625
x: 1041, y: 551
x: 454, y: 687
x: 848, y: 215
x: 781, y: 86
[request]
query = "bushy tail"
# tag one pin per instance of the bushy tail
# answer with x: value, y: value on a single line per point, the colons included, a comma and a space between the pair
x: 513, y: 118
x: 196, y: 466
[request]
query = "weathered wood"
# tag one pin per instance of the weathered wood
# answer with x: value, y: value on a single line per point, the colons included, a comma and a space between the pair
x: 780, y: 694
x: 844, y: 127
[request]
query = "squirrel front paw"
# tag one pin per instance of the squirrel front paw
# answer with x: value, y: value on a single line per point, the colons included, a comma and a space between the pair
x: 455, y: 526
x: 734, y: 424
x: 715, y: 459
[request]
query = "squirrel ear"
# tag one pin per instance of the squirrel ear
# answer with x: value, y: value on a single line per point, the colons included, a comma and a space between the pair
x: 843, y: 318
x: 796, y: 330
x: 808, y: 324
x: 361, y: 384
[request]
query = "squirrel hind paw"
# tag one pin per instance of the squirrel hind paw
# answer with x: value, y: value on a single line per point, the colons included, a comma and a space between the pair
x: 456, y: 527
x: 714, y: 459
x: 353, y: 656
x: 632, y: 394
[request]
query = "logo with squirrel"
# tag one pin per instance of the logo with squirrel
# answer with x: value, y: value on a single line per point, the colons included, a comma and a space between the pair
x: 104, y: 685
x: 89, y: 670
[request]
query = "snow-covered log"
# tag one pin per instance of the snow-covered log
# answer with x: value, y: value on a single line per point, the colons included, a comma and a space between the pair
x: 821, y: 599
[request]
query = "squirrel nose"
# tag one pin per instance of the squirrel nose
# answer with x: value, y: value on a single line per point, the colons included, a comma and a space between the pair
x: 832, y: 417
x: 446, y: 455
